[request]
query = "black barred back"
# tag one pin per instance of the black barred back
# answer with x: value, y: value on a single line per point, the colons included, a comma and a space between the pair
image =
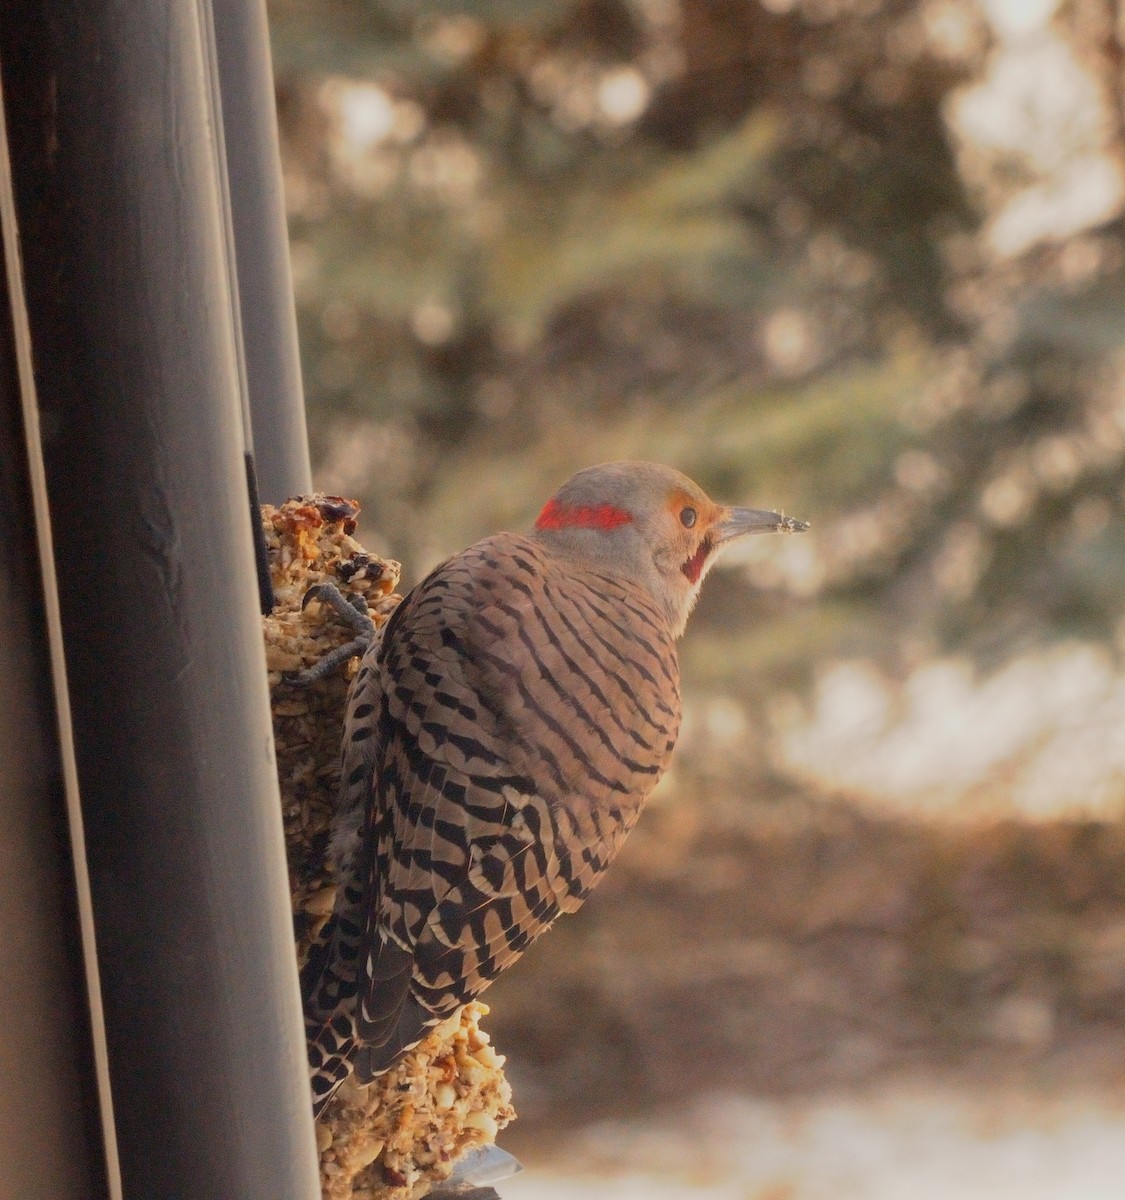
x: 501, y: 741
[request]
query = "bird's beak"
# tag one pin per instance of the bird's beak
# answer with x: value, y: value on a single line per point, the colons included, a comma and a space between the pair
x: 737, y: 521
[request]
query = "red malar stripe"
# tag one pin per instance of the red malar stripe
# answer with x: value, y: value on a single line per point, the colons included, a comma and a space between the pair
x: 586, y: 516
x: 693, y: 568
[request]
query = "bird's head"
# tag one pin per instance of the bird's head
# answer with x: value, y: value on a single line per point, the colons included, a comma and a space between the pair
x: 651, y: 525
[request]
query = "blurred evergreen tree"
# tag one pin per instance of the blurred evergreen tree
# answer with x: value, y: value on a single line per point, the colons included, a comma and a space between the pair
x: 741, y: 236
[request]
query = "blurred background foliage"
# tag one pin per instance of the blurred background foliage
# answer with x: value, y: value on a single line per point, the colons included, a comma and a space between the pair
x: 860, y: 259
x: 748, y: 238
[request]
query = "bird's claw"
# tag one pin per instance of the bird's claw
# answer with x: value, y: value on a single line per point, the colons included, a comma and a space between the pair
x: 346, y: 606
x: 352, y: 610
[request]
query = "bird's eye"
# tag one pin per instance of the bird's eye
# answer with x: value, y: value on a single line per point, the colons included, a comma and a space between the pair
x: 687, y: 517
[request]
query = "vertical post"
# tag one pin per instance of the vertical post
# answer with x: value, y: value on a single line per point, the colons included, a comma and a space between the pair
x: 265, y: 282
x: 55, y: 1127
x: 121, y: 221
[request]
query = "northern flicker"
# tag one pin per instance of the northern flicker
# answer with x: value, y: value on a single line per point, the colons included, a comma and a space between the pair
x: 502, y: 735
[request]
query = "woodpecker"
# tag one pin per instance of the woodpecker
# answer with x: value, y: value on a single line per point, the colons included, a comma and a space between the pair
x: 502, y: 734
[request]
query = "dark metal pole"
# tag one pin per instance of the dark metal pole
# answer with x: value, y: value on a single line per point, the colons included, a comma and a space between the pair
x: 266, y: 597
x: 265, y: 283
x: 56, y: 1127
x: 132, y: 331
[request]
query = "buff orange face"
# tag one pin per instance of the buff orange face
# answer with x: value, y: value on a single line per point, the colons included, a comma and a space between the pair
x: 697, y: 514
x: 706, y: 512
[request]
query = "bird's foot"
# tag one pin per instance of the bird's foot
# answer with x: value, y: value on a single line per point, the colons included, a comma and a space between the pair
x: 352, y: 610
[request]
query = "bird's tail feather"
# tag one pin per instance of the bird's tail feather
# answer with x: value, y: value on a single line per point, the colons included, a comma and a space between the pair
x: 331, y: 1049
x: 328, y: 995
x: 412, y: 1025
